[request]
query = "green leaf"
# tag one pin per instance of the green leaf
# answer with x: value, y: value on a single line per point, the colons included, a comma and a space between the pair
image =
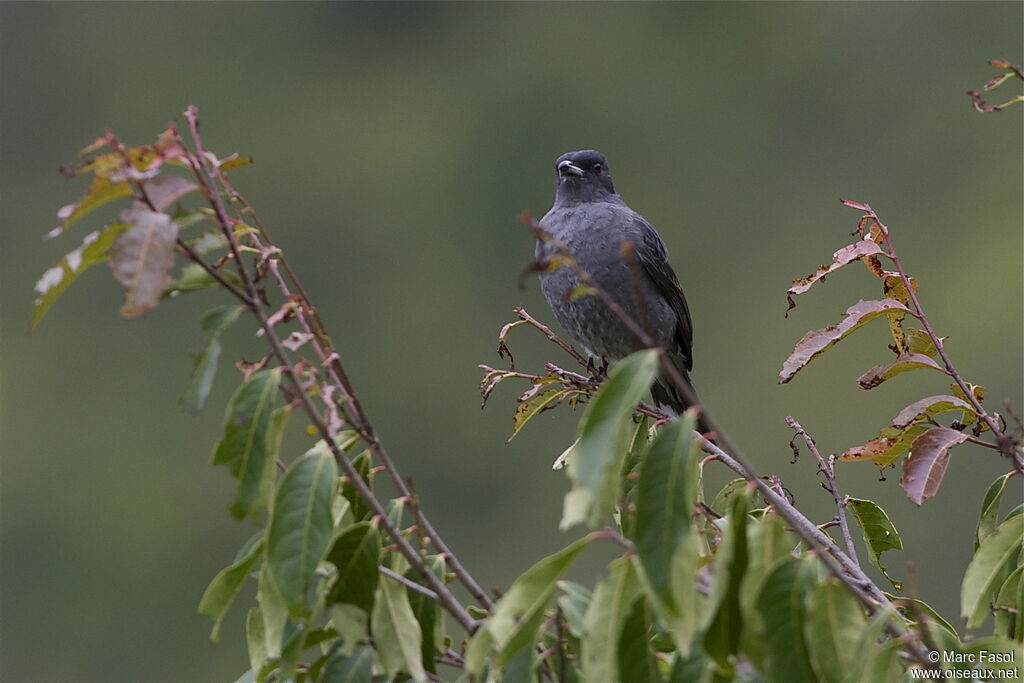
x: 832, y: 631
x: 301, y: 526
x: 816, y: 342
x: 94, y: 249
x: 255, y: 638
x: 274, y: 612
x: 204, y: 363
x: 519, y: 613
x: 925, y: 467
x: 906, y: 362
x: 363, y: 465
x: 781, y: 604
x: 604, y: 436
x: 918, y: 610
x: 990, y: 509
x: 996, y: 557
x: 354, y: 668
x: 1010, y: 607
x: 225, y: 586
x: 604, y: 622
x: 101, y: 191
x: 636, y: 659
x: 722, y: 501
x: 879, y: 533
x: 768, y: 544
x: 876, y: 661
x: 141, y: 257
x: 664, y: 536
x: 248, y: 447
x: 428, y: 613
x: 725, y: 629
x: 356, y: 554
x: 395, y: 631
x: 666, y: 492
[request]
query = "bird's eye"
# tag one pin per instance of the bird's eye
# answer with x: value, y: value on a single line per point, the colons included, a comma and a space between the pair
x: 598, y: 168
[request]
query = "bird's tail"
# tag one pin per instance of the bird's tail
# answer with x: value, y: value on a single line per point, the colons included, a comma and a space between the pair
x: 670, y: 399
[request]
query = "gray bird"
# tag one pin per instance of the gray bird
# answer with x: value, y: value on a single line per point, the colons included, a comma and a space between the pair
x: 590, y: 219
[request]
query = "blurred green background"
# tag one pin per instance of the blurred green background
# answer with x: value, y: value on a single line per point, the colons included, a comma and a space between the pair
x: 395, y: 145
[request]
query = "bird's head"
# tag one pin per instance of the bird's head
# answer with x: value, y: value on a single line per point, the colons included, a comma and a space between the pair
x: 583, y: 176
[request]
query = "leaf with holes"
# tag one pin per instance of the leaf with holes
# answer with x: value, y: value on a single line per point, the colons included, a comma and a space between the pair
x: 840, y: 258
x: 928, y: 407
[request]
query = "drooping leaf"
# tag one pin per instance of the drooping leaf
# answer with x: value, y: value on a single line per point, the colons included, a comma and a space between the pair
x: 362, y: 464
x: 518, y: 615
x: 664, y: 534
x: 604, y: 621
x: 848, y: 254
x: 781, y: 604
x: 909, y: 361
x: 356, y: 554
x: 301, y: 526
x: 990, y: 509
x: 352, y: 668
x: 255, y: 638
x: 204, y: 363
x: 816, y: 342
x: 666, y: 493
x: 604, y: 435
x: 395, y: 631
x: 225, y: 586
x: 247, y: 447
x: 895, y: 288
x: 141, y: 257
x: 101, y: 191
x: 95, y: 248
x: 924, y: 468
x: 997, y: 556
x: 833, y: 628
x: 879, y: 533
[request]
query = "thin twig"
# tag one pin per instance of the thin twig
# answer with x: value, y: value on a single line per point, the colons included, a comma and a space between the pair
x: 828, y: 469
x: 1006, y: 444
x: 412, y: 585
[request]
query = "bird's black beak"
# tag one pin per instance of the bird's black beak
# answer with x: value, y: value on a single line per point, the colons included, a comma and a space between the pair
x: 567, y: 168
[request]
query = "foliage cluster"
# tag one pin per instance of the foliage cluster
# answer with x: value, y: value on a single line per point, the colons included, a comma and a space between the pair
x: 353, y: 583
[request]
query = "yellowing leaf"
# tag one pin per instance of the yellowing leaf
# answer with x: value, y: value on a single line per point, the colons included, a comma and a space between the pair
x: 880, y: 373
x: 847, y: 254
x: 101, y: 191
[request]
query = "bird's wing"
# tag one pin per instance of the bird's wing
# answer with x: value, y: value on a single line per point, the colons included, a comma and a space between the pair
x: 653, y: 257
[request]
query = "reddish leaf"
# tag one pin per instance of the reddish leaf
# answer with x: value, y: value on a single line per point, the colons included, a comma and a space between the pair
x: 164, y: 190
x: 847, y: 254
x: 924, y: 468
x: 816, y: 342
x: 911, y: 361
x: 856, y: 205
x: 141, y: 257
